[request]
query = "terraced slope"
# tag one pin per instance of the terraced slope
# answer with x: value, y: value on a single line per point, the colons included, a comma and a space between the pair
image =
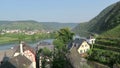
x: 106, y: 51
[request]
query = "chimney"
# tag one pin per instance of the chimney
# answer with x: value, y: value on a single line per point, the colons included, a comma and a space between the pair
x: 21, y: 48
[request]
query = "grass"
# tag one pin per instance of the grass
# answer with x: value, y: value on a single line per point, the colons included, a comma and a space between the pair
x: 113, y: 33
x: 4, y: 40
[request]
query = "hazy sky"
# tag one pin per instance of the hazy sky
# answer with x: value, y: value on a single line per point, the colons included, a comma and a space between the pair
x: 52, y: 10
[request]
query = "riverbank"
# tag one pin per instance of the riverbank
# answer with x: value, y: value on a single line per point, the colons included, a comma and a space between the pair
x: 8, y: 37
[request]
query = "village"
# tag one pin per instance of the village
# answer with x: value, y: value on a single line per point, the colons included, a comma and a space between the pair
x: 24, y: 56
x: 27, y: 32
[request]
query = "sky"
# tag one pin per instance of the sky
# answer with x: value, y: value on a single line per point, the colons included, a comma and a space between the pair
x: 64, y: 11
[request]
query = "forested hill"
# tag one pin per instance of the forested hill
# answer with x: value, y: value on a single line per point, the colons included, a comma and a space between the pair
x: 31, y: 25
x: 108, y: 20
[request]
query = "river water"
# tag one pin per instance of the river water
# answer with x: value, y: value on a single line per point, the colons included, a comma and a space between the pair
x: 32, y: 44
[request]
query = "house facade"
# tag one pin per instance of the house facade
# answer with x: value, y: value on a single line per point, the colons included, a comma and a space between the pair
x: 26, y: 51
x: 77, y: 50
x: 23, y: 57
x: 81, y: 45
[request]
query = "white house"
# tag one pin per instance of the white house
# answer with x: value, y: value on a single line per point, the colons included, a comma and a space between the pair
x: 81, y: 45
x: 91, y: 40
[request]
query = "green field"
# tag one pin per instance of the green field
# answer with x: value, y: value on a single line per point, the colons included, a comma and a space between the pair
x: 9, y: 38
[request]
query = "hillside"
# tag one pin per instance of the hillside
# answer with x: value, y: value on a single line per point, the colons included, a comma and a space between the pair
x: 56, y: 25
x: 113, y: 33
x: 106, y: 49
x: 31, y: 25
x: 108, y: 19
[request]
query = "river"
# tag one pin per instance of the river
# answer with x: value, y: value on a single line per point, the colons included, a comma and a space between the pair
x: 32, y: 44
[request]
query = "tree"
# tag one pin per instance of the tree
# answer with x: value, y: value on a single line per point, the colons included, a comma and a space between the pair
x: 63, y: 37
x: 46, y: 52
x: 43, y: 52
x: 58, y: 44
x: 21, y: 37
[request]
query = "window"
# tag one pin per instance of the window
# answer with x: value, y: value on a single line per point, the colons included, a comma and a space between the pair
x: 80, y: 51
x: 84, y: 51
x: 92, y: 41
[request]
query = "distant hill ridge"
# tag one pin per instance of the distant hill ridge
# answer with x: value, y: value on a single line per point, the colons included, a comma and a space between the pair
x: 31, y: 24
